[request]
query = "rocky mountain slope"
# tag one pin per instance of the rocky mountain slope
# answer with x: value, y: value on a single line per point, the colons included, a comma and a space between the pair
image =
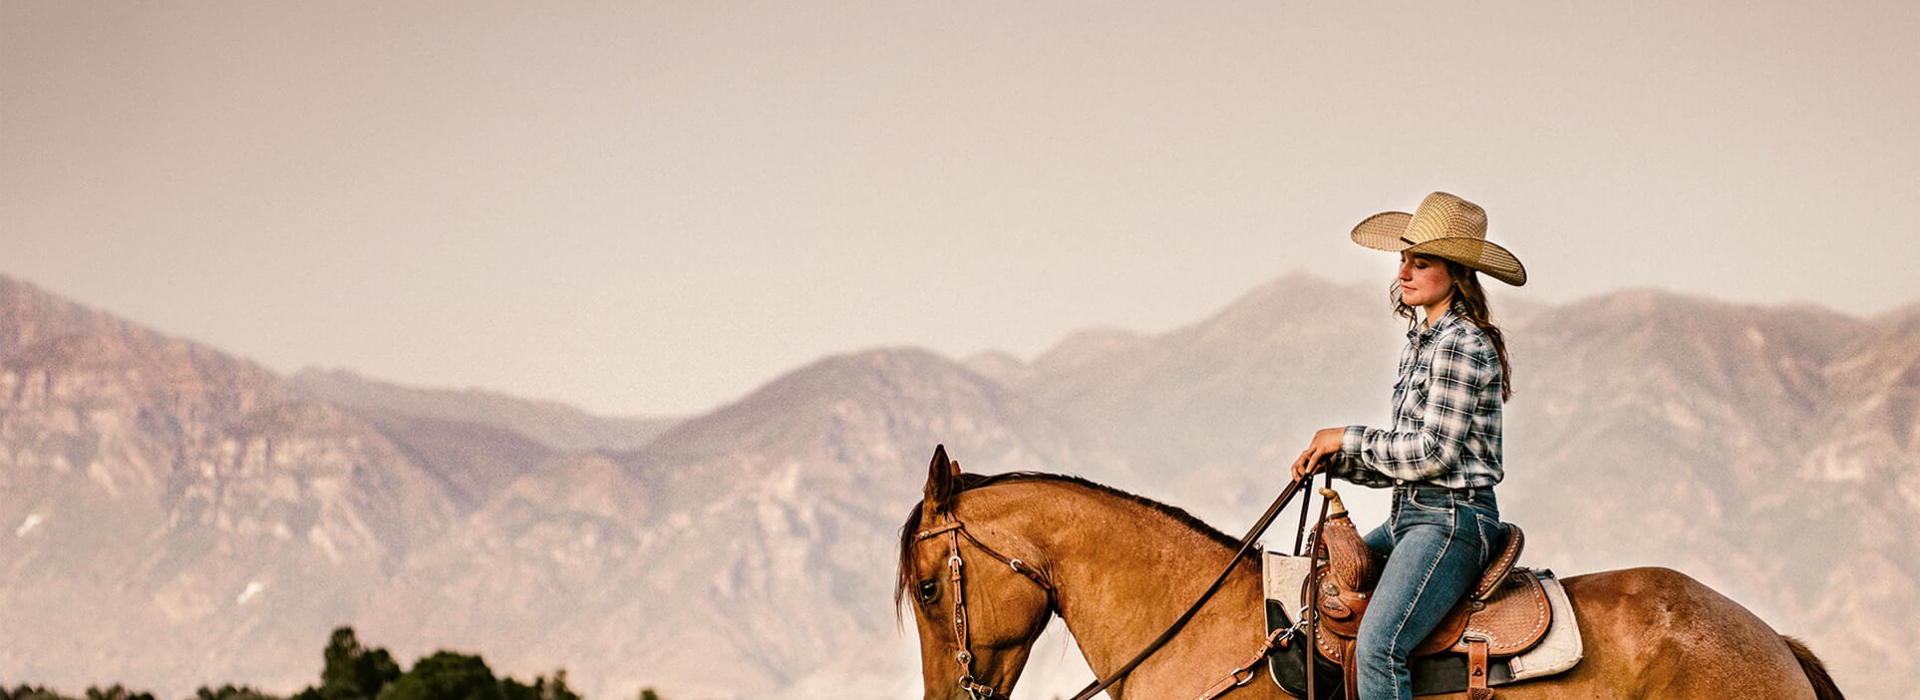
x: 182, y: 517
x: 177, y: 513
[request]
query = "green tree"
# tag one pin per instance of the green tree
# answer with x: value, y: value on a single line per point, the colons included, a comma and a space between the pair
x: 542, y: 688
x: 446, y: 675
x: 343, y: 648
x: 515, y: 690
x: 27, y: 692
x: 232, y: 692
x: 352, y: 671
x: 117, y: 692
x: 558, y: 689
x: 648, y: 694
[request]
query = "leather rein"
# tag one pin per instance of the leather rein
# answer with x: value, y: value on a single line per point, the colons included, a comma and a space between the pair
x: 954, y: 530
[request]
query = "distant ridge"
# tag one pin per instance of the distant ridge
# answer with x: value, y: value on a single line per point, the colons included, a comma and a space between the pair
x: 552, y: 423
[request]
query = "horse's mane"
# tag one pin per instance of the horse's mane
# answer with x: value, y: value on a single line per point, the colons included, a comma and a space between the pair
x: 969, y: 481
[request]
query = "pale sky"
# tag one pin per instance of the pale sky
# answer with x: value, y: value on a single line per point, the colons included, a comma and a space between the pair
x: 656, y: 207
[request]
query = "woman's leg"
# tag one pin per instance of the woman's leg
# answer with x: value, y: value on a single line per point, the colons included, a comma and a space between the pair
x: 1429, y: 570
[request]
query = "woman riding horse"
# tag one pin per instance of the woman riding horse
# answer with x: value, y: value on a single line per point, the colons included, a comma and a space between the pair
x: 987, y: 561
x: 1441, y: 455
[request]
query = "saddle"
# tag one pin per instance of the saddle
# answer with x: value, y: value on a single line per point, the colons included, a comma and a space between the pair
x: 1507, y: 613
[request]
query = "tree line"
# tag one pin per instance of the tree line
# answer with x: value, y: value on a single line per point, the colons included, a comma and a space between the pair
x: 357, y: 672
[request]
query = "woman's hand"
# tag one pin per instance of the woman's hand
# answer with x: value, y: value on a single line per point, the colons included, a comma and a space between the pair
x: 1325, y: 442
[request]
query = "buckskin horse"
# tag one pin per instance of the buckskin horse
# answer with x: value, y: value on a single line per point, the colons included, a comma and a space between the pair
x: 986, y: 561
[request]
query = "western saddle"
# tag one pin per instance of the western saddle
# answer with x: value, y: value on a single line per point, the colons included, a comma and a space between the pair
x: 1504, y: 615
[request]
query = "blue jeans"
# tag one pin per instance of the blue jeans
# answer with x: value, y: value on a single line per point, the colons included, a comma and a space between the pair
x: 1435, y: 543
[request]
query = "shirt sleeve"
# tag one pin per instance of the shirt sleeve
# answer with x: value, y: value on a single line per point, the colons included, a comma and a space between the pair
x: 1347, y: 466
x: 1432, y: 447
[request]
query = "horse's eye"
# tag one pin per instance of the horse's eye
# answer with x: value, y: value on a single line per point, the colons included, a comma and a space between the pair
x: 928, y: 590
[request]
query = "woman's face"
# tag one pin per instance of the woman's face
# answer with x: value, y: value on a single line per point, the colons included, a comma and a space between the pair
x: 1424, y: 281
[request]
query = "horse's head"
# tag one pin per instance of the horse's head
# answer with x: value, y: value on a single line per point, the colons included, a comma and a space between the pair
x: 978, y: 605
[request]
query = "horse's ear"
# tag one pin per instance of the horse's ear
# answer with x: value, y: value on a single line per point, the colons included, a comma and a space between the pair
x: 943, y: 482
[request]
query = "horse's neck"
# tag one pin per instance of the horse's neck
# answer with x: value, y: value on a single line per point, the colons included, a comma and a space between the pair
x: 1125, y: 571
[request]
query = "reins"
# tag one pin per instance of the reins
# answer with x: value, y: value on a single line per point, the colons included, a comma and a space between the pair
x: 1246, y: 546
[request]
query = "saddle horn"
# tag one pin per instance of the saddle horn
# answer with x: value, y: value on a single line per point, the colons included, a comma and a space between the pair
x: 1335, y: 509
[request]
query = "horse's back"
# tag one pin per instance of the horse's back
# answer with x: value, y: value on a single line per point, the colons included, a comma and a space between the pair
x: 1657, y: 633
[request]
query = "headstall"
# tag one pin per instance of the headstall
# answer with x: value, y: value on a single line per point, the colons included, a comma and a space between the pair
x: 954, y: 530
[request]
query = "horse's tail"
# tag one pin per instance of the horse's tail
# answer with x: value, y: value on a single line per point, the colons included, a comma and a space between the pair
x: 1823, y: 687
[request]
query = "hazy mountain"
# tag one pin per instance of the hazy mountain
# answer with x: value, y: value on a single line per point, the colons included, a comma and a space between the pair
x: 553, y: 424
x: 1216, y: 410
x: 177, y: 515
x: 1716, y: 439
x: 182, y: 517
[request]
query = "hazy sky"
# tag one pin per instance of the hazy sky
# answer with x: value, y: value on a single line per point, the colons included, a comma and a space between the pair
x: 656, y: 207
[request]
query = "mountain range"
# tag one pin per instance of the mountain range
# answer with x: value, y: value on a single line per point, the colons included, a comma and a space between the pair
x: 183, y: 517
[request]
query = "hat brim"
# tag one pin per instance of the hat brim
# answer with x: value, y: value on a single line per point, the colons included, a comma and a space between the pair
x: 1383, y: 231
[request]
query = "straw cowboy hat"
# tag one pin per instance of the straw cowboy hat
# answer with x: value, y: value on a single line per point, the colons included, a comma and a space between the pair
x: 1444, y: 226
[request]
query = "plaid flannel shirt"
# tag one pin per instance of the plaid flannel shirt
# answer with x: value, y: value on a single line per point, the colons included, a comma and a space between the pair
x: 1446, y: 415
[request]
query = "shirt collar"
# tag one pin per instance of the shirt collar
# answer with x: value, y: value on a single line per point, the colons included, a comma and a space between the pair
x: 1451, y: 317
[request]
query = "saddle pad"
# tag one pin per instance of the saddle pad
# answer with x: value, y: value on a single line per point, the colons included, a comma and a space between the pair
x: 1559, y: 650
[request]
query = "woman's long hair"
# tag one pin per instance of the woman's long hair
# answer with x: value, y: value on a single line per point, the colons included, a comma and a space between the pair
x: 1473, y: 306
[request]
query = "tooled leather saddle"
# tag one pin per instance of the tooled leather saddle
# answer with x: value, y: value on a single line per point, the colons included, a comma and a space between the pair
x: 1506, y: 613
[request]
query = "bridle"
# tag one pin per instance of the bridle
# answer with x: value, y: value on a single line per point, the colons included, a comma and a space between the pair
x: 954, y: 530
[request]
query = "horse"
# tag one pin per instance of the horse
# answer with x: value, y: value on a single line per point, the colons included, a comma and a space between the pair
x: 987, y: 561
